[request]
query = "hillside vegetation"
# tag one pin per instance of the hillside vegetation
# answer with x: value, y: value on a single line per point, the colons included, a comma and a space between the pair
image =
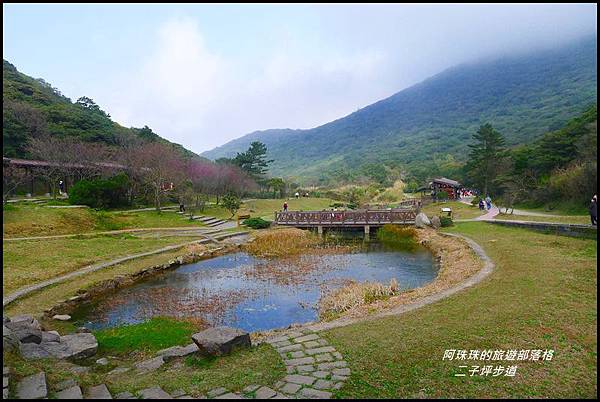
x: 32, y: 107
x: 425, y: 129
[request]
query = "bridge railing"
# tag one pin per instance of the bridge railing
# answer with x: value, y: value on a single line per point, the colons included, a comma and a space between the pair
x: 361, y: 217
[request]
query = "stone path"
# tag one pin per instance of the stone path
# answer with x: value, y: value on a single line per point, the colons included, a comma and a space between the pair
x: 95, y: 267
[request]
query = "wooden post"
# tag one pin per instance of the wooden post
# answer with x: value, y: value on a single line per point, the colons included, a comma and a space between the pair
x: 320, y: 230
x: 367, y: 232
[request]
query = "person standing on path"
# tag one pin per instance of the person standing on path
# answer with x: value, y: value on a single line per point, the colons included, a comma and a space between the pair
x: 594, y: 210
x: 488, y: 202
x: 285, y: 207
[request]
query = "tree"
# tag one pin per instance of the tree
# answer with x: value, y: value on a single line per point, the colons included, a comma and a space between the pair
x: 232, y: 203
x: 278, y: 185
x: 253, y: 161
x: 485, y: 157
x: 89, y: 104
x: 12, y: 177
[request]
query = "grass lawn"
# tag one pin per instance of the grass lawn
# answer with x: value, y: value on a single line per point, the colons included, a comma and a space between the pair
x: 32, y: 261
x: 25, y: 220
x: 265, y: 208
x: 555, y: 218
x: 459, y: 210
x: 542, y: 295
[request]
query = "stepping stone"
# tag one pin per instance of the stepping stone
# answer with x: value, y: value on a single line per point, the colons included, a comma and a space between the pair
x: 119, y: 370
x: 338, y: 378
x: 315, y: 394
x: 78, y: 369
x: 317, y: 351
x: 321, y: 374
x: 290, y: 348
x: 332, y: 365
x: 216, y: 392
x: 310, y: 337
x: 297, y: 354
x: 221, y: 340
x: 80, y: 345
x: 342, y: 371
x: 230, y: 395
x: 70, y: 393
x: 250, y: 388
x: 154, y: 393
x: 299, y: 362
x: 312, y: 344
x: 33, y: 387
x: 323, y: 384
x: 299, y: 379
x: 102, y: 362
x: 265, y: 393
x: 65, y: 384
x: 62, y: 317
x: 305, y: 369
x: 125, y: 395
x: 150, y: 364
x: 190, y: 397
x: 177, y: 351
x: 50, y: 336
x: 290, y: 388
x: 281, y: 343
x: 177, y: 393
x: 99, y: 392
x: 326, y: 357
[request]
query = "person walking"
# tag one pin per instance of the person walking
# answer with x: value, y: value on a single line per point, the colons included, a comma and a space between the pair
x: 481, y: 205
x: 488, y: 202
x: 594, y: 210
x: 285, y: 206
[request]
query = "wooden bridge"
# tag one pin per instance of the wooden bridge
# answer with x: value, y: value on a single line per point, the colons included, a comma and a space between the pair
x: 346, y: 219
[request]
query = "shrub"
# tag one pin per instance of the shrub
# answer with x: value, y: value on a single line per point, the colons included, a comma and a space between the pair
x: 257, y: 223
x: 446, y: 221
x: 101, y: 193
x: 475, y: 201
x: 442, y: 195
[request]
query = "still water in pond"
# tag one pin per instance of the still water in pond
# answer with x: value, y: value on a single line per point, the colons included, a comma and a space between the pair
x: 251, y: 293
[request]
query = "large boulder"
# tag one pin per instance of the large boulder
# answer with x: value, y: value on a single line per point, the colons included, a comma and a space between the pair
x: 435, y: 222
x: 177, y: 351
x: 221, y: 340
x: 33, y: 387
x: 26, y: 329
x: 9, y: 340
x: 422, y: 221
x: 77, y: 346
x: 82, y: 345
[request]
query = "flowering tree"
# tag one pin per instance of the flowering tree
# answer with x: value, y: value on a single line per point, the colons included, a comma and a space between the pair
x: 12, y: 177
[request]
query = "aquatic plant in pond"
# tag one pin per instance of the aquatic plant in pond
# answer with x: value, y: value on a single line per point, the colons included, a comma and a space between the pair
x: 398, y: 237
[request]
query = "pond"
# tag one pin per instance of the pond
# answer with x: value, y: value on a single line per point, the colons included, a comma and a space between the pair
x: 254, y: 294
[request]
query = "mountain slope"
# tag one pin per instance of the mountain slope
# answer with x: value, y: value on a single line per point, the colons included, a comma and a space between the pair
x: 521, y: 96
x: 32, y: 106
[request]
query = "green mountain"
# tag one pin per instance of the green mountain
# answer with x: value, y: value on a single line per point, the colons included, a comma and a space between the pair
x: 522, y: 96
x: 32, y: 106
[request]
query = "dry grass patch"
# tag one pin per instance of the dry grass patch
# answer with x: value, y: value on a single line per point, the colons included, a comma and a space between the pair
x: 281, y: 242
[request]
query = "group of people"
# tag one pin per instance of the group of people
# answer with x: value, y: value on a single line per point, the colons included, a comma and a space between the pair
x: 485, y: 203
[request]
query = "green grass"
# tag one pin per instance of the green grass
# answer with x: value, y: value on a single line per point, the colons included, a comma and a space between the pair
x: 150, y: 336
x: 28, y: 262
x: 542, y: 295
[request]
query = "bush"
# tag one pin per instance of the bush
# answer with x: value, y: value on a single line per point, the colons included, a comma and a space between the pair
x: 398, y: 237
x: 446, y: 221
x: 475, y: 201
x: 442, y: 196
x: 257, y: 223
x: 101, y: 193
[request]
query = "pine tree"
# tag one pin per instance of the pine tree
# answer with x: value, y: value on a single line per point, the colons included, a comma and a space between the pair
x: 485, y: 157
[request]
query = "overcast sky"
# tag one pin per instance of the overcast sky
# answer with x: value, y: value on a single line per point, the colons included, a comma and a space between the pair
x: 202, y: 75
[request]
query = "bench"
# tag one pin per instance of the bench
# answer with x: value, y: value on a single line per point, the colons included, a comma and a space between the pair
x: 447, y: 211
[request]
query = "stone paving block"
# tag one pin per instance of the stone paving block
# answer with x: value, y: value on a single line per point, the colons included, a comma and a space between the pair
x: 99, y: 392
x: 265, y: 393
x: 291, y: 369
x: 338, y: 378
x: 281, y: 344
x: 332, y: 365
x: 306, y: 368
x: 294, y: 334
x: 280, y: 396
x: 277, y: 340
x: 33, y: 387
x: 315, y: 393
x: 312, y: 344
x: 297, y: 354
x: 150, y: 364
x: 326, y: 357
x: 323, y: 384
x: 290, y: 388
x: 299, y: 379
x: 125, y: 395
x: 338, y: 385
x: 251, y: 388
x: 70, y: 393
x: 290, y: 348
x: 216, y: 392
x: 118, y: 370
x: 310, y: 337
x: 342, y: 371
x: 321, y: 374
x: 154, y: 393
x: 229, y: 395
x: 65, y: 384
x: 177, y: 393
x: 338, y: 355
x: 299, y: 362
x: 322, y: 342
x: 318, y: 351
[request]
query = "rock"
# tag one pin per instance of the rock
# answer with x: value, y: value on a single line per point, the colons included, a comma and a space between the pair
x: 70, y: 393
x: 177, y: 393
x: 435, y: 222
x: 81, y: 345
x: 83, y: 330
x: 102, y: 362
x: 50, y: 336
x: 9, y: 340
x: 216, y: 392
x: 124, y: 395
x: 65, y: 384
x: 422, y: 221
x: 62, y: 317
x: 75, y: 369
x: 151, y: 364
x: 33, y: 351
x: 99, y: 392
x: 221, y: 340
x: 265, y: 393
x: 154, y: 393
x: 119, y: 370
x: 33, y: 387
x: 25, y: 331
x: 177, y: 351
x: 26, y: 319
